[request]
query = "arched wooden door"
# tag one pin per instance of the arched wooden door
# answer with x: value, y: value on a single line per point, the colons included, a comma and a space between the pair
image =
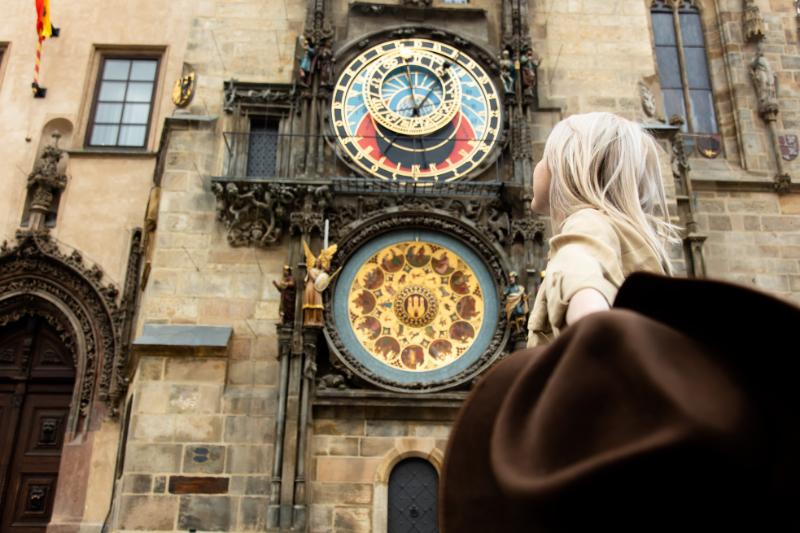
x: 37, y: 374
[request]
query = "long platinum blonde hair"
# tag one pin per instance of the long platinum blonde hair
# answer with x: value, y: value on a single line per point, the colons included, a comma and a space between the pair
x: 606, y: 162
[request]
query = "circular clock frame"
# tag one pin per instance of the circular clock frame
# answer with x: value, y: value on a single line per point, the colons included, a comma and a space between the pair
x: 374, y: 139
x: 384, y: 230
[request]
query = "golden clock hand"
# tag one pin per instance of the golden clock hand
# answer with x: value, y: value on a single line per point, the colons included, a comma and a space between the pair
x: 415, y: 111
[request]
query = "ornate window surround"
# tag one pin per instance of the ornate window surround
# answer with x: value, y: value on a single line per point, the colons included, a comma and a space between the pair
x: 721, y: 89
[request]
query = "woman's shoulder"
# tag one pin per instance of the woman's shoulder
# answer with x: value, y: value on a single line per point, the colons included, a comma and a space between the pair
x: 587, y: 219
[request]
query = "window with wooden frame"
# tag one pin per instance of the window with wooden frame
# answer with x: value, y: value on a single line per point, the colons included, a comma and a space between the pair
x: 683, y: 66
x: 123, y: 102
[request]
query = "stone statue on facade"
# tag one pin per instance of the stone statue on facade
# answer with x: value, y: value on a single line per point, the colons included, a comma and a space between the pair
x: 507, y: 71
x: 753, y: 22
x: 318, y: 278
x: 516, y: 303
x: 46, y: 181
x: 307, y: 60
x: 528, y: 64
x: 323, y: 63
x: 288, y: 289
x: 765, y: 82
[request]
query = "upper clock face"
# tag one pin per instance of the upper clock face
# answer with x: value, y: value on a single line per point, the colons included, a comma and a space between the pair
x: 416, y: 110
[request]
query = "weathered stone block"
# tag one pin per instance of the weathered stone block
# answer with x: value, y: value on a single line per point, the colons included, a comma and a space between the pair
x: 253, y: 514
x: 136, y: 483
x: 347, y: 469
x: 153, y: 428
x: 338, y: 427
x: 206, y: 459
x: 376, y: 446
x: 335, y: 445
x: 248, y: 459
x: 141, y: 457
x: 147, y: 513
x: 250, y: 429
x: 387, y: 428
x: 197, y: 399
x: 439, y: 431
x: 160, y: 484
x: 151, y: 368
x: 195, y: 369
x: 198, y: 428
x: 206, y: 513
x: 258, y: 485
x: 342, y: 493
x: 321, y: 518
x: 151, y: 397
x: 352, y: 519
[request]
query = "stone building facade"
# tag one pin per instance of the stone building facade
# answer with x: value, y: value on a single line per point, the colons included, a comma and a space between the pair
x: 173, y: 386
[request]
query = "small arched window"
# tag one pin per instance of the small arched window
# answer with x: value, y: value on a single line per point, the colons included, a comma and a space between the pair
x: 683, y: 65
x: 413, y: 497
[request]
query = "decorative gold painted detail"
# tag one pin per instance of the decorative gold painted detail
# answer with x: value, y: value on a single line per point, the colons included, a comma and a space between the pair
x: 416, y: 306
x: 183, y: 90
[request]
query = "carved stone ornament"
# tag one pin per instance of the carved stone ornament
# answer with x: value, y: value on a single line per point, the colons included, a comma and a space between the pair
x: 648, y: 100
x: 45, y: 181
x: 765, y: 82
x: 37, y: 278
x: 783, y: 183
x: 244, y: 94
x: 388, y: 221
x: 753, y: 22
x: 789, y: 146
x: 416, y: 3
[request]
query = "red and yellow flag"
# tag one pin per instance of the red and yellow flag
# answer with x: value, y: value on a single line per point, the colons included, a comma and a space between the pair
x: 44, y: 29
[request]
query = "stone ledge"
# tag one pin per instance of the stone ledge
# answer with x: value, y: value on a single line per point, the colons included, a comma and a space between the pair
x: 184, y: 340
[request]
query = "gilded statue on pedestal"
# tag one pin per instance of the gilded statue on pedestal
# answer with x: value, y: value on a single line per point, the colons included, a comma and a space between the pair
x: 318, y: 278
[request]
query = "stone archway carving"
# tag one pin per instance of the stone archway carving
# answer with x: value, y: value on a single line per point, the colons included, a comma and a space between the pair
x: 36, y: 278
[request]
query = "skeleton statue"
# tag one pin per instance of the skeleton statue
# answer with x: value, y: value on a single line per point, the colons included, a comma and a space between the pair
x: 507, y: 71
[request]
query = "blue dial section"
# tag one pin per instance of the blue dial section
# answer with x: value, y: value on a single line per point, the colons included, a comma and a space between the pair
x: 412, y: 92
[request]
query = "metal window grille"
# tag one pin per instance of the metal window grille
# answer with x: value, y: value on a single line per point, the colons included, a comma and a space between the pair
x: 262, y: 150
x: 413, y: 495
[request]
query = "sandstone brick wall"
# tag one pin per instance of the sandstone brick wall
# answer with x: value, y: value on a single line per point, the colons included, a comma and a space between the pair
x: 353, y: 454
x: 191, y: 424
x: 754, y: 239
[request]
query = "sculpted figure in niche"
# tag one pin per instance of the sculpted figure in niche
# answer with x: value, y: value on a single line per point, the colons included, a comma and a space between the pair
x: 288, y: 290
x: 516, y: 303
x: 507, y: 71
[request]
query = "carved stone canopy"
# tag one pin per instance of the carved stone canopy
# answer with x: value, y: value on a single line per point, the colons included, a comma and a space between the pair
x: 37, y: 278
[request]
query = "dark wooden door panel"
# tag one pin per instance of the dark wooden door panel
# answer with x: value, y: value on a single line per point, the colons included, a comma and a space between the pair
x: 33, y: 473
x: 8, y: 429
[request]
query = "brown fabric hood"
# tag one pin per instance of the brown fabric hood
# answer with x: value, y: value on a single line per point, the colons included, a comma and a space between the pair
x: 675, y: 411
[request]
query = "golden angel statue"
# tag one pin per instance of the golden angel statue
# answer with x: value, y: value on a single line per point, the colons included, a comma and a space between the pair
x: 317, y: 280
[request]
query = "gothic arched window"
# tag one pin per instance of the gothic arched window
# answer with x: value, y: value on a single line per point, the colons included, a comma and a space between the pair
x: 683, y: 65
x: 413, y: 495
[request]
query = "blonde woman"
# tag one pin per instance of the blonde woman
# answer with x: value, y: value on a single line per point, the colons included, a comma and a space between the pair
x: 600, y: 182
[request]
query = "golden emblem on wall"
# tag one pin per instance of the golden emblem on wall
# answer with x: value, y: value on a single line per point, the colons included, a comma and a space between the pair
x: 183, y: 90
x: 416, y: 306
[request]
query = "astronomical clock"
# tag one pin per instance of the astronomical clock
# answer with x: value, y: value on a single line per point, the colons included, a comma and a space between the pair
x: 415, y: 308
x: 416, y: 110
